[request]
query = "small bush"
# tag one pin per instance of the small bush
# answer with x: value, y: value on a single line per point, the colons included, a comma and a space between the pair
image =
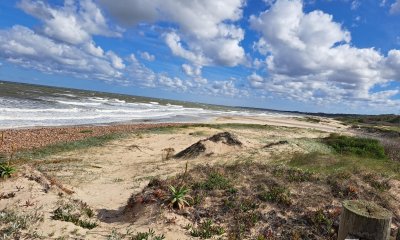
x: 150, y: 235
x: 276, y: 194
x: 206, y: 230
x: 379, y: 184
x: 392, y: 148
x: 6, y: 170
x: 363, y: 147
x: 214, y: 181
x: 321, y: 220
x: 76, y: 213
x: 294, y: 174
x: 13, y: 224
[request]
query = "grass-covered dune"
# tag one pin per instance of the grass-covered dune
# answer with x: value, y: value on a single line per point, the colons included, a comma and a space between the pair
x: 283, y: 183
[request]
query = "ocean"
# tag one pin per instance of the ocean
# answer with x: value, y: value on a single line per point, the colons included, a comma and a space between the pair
x: 26, y: 105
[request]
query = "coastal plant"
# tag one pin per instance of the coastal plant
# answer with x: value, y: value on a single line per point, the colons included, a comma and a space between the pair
x: 77, y: 213
x: 276, y: 194
x: 206, y: 229
x: 322, y: 220
x: 392, y: 148
x: 362, y: 147
x: 179, y: 197
x: 379, y: 184
x: 14, y: 223
x: 215, y: 181
x: 6, y: 170
x: 293, y: 174
x: 149, y: 235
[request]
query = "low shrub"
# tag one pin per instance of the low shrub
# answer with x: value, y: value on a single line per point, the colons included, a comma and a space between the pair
x: 276, y: 194
x: 363, y: 147
x: 206, y: 229
x: 214, y: 181
x: 77, y: 213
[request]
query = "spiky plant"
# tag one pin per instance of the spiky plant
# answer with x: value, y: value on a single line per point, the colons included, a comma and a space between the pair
x: 178, y: 197
x: 6, y: 170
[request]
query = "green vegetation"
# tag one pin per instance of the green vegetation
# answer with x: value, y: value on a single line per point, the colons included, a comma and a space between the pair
x: 214, y: 181
x: 6, y: 170
x: 86, y: 131
x: 76, y: 212
x: 179, y: 197
x: 388, y: 119
x: 251, y: 200
x: 65, y: 147
x: 377, y: 182
x: 16, y: 225
x: 331, y: 163
x: 362, y: 147
x: 206, y: 229
x: 321, y: 220
x: 149, y: 235
x: 276, y: 194
x: 293, y: 174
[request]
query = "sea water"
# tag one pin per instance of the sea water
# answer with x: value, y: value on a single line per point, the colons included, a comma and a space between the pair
x: 24, y: 105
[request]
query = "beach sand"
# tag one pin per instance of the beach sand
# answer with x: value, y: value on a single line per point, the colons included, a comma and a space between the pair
x: 104, y: 177
x: 31, y: 138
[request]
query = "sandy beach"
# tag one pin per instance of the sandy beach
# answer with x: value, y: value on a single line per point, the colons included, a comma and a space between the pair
x: 104, y: 178
x: 31, y: 138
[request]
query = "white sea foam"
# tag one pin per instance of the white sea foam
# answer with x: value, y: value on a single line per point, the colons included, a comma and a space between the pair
x: 68, y: 109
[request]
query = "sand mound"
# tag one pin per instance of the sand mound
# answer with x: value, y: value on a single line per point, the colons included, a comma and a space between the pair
x: 216, y: 144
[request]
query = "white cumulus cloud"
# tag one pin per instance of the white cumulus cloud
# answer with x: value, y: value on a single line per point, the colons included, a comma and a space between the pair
x: 206, y: 27
x: 29, y: 49
x: 395, y: 7
x: 309, y: 57
x: 147, y: 56
x: 73, y: 23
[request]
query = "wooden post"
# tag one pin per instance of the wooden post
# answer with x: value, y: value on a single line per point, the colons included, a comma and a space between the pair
x: 364, y: 220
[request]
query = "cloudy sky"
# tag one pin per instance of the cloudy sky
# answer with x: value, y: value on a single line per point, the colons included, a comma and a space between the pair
x: 310, y: 55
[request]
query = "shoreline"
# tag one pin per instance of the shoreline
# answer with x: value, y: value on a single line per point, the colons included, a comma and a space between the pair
x: 28, y: 138
x: 19, y: 139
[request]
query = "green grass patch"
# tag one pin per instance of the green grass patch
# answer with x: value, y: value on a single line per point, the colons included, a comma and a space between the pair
x: 77, y: 213
x: 312, y: 145
x: 293, y: 174
x: 214, y: 181
x: 13, y: 223
x: 362, y: 147
x: 149, y: 235
x: 276, y: 194
x: 65, y: 147
x: 327, y: 164
x: 206, y: 229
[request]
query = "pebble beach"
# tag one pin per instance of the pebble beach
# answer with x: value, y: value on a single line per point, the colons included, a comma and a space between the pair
x: 13, y: 140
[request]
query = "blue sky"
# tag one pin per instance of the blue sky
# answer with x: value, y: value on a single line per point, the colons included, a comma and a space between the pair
x: 311, y: 55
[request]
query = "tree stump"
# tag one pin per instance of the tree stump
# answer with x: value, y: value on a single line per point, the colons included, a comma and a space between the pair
x: 364, y: 220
